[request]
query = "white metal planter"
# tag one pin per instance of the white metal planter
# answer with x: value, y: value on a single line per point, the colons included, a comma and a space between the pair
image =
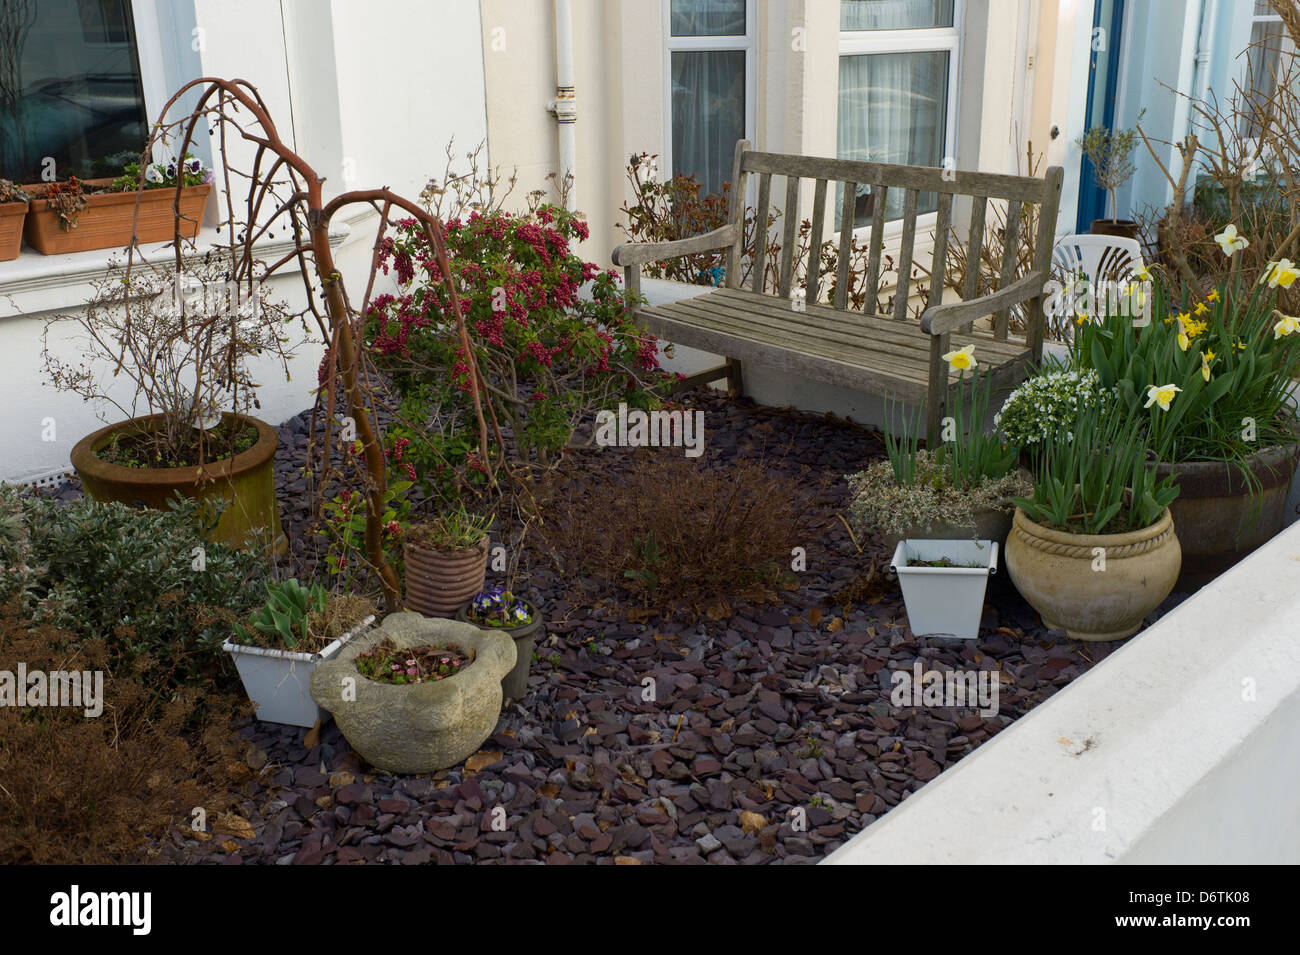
x: 279, y: 681
x: 945, y: 601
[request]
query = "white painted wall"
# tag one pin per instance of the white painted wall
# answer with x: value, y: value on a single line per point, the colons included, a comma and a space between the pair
x: 1177, y: 748
x: 375, y: 90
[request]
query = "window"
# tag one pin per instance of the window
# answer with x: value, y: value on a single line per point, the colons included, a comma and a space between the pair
x: 1264, y: 62
x: 710, y: 82
x: 897, y: 97
x: 69, y: 88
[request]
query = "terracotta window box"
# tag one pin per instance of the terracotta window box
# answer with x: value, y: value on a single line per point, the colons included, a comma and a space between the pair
x: 106, y: 221
x: 11, y: 229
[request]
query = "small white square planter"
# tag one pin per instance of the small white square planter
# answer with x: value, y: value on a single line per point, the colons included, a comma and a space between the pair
x: 945, y: 601
x: 279, y: 681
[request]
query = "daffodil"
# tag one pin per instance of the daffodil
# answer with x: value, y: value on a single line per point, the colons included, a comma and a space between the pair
x: 1206, y: 358
x: 1281, y: 273
x: 1213, y: 295
x: 1143, y: 273
x: 1083, y: 317
x: 1239, y: 345
x: 1201, y: 308
x: 1229, y: 241
x: 1287, y: 325
x: 1161, y: 395
x: 961, y: 359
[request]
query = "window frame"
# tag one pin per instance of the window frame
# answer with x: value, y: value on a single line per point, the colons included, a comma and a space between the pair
x: 748, y: 44
x: 921, y: 40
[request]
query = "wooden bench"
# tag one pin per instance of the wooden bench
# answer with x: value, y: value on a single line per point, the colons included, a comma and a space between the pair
x: 866, y: 351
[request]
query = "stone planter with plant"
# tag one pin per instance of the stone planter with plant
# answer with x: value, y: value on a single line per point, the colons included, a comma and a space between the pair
x: 290, y: 635
x: 416, y: 695
x: 183, y: 344
x: 445, y: 562
x: 1230, y: 432
x: 1094, y: 549
x: 13, y: 210
x: 77, y: 215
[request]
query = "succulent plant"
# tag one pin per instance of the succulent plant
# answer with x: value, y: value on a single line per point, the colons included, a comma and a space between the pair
x: 283, y: 618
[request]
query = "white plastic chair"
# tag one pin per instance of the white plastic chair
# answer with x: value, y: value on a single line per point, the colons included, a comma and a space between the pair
x: 1101, y: 260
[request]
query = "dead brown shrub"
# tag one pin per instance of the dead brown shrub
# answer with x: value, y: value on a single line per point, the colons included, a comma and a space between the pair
x: 677, y: 534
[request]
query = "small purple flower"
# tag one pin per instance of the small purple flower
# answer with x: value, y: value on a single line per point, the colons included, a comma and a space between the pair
x: 194, y: 165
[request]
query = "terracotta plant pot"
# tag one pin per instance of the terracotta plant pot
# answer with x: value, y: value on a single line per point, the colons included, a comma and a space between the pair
x: 440, y: 582
x: 1219, y: 519
x: 1125, y: 228
x: 11, y: 229
x: 417, y: 727
x: 1061, y: 577
x: 514, y: 685
x: 245, y: 482
x: 106, y: 221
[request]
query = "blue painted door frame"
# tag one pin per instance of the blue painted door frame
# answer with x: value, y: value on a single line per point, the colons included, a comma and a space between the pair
x: 1103, y: 80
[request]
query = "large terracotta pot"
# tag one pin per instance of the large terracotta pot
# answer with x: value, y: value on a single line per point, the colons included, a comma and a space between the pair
x: 419, y: 727
x: 1219, y: 519
x: 246, y: 482
x: 106, y: 221
x: 11, y: 229
x: 1062, y: 578
x: 439, y: 582
x: 1124, y: 228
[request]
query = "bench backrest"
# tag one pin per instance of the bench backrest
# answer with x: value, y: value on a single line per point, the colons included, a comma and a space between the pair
x: 884, y: 179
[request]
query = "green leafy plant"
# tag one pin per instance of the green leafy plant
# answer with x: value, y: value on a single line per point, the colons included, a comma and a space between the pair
x: 345, y: 526
x: 190, y: 171
x: 284, y: 617
x: 389, y: 663
x: 1098, y: 477
x: 1047, y: 403
x: 456, y: 529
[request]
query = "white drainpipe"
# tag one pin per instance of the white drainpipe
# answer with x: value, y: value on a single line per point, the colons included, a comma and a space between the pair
x: 565, y: 105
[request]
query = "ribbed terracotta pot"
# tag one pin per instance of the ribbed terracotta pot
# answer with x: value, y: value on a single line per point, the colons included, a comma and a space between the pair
x: 1220, y: 520
x: 440, y: 582
x: 246, y: 482
x: 1063, y: 578
x: 11, y: 229
x: 107, y: 220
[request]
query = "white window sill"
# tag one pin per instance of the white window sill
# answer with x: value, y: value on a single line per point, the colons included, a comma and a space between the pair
x: 33, y: 284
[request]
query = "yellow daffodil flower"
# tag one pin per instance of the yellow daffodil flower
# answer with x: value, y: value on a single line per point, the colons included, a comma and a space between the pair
x: 1206, y: 358
x: 1201, y: 308
x: 1161, y: 395
x: 1083, y: 317
x: 961, y: 359
x: 1213, y: 296
x: 1288, y: 325
x: 1229, y: 241
x: 1282, y: 273
x: 1239, y: 345
x: 1143, y: 273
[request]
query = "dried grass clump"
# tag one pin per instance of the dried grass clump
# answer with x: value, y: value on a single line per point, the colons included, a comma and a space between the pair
x: 677, y: 534
x: 78, y: 790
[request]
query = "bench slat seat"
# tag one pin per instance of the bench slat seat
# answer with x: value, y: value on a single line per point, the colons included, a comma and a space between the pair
x: 868, y: 353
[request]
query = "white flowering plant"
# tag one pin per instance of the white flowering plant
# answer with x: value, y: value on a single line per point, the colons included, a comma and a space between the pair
x: 1048, y: 404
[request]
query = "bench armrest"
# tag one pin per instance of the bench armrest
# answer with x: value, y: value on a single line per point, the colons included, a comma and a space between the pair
x: 638, y: 253
x: 942, y: 319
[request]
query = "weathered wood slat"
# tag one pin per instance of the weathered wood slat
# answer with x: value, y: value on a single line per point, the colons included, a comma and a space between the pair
x: 922, y: 178
x: 815, y: 240
x: 879, y: 195
x: 736, y: 216
x: 845, y: 252
x: 790, y: 236
x: 946, y: 318
x: 638, y: 253
x: 974, y: 246
x: 1043, y: 257
x: 1010, y: 250
x: 939, y: 261
x: 854, y: 326
x: 903, y: 289
x: 760, y: 225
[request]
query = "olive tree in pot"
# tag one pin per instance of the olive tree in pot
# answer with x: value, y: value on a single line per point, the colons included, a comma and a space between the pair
x: 1094, y: 549
x: 1110, y: 152
x: 295, y: 630
x: 182, y: 340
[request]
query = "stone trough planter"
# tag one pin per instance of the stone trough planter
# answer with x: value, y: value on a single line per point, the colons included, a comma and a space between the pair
x: 419, y: 727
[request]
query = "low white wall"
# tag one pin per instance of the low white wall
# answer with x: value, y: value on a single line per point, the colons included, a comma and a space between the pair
x: 1177, y: 748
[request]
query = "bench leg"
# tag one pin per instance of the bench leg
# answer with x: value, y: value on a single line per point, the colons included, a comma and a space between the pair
x: 735, y: 381
x: 937, y: 390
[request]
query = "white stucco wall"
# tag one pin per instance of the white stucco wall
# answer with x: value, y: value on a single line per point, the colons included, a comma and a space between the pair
x: 369, y: 94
